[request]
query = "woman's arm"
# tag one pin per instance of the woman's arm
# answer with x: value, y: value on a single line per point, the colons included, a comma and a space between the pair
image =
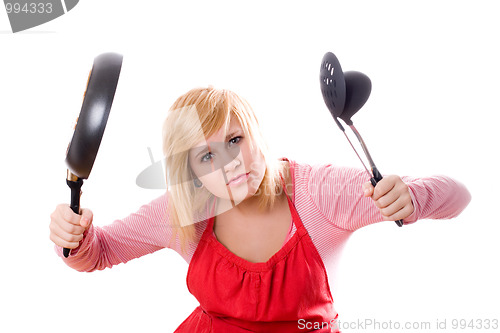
x: 437, y: 197
x: 140, y: 233
x: 338, y: 193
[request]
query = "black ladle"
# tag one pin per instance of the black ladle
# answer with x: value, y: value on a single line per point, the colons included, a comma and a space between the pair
x: 89, y: 129
x: 344, y: 95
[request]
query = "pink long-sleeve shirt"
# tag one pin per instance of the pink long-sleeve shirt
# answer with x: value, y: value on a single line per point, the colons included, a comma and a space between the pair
x: 329, y: 199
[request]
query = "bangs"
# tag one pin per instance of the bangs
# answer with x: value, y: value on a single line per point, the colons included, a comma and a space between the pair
x: 216, y: 109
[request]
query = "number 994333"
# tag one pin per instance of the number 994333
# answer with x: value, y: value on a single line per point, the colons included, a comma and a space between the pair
x: 29, y: 8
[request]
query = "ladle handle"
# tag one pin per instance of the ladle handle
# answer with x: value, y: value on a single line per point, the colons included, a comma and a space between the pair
x: 75, y: 187
x: 374, y: 180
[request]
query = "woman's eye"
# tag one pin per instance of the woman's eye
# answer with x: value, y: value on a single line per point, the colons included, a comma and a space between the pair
x: 203, y: 158
x: 236, y: 139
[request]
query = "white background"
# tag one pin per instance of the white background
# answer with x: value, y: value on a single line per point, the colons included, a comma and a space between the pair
x: 433, y: 110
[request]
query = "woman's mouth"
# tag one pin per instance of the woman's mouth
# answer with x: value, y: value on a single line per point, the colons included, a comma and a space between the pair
x: 239, y: 180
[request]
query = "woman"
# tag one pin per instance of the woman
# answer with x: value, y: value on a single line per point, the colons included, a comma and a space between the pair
x: 255, y: 230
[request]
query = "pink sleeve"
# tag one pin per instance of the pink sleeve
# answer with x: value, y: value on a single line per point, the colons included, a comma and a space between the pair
x: 140, y: 233
x: 436, y: 197
x: 337, y: 191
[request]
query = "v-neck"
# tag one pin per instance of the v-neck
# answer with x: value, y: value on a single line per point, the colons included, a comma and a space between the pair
x: 277, y: 256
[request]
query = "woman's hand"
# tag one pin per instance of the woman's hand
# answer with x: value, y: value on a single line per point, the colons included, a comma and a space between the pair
x: 391, y: 196
x: 67, y: 228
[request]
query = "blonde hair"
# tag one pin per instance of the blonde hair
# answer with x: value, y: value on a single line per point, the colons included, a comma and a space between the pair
x: 195, y: 116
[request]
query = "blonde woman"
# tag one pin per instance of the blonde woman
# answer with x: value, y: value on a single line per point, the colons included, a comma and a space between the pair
x: 256, y: 230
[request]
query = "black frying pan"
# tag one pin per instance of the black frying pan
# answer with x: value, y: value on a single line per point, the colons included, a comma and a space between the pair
x: 344, y: 94
x: 89, y: 129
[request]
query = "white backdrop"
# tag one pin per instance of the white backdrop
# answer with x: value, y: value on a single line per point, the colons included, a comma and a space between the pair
x: 433, y: 110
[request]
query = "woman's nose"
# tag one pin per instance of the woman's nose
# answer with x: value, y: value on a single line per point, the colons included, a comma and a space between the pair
x: 234, y: 163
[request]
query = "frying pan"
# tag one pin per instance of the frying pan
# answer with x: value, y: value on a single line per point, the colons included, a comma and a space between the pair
x: 90, y: 125
x: 344, y: 95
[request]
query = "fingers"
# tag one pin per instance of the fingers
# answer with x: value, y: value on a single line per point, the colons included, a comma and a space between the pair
x: 64, y: 239
x: 387, y: 199
x: 63, y: 211
x: 384, y: 186
x: 63, y: 243
x: 392, y: 197
x: 70, y: 228
x: 397, y: 210
x: 368, y: 189
x: 86, y: 218
x: 67, y: 228
x: 401, y: 214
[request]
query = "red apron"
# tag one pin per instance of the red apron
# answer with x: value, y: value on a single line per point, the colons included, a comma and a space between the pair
x: 288, y: 293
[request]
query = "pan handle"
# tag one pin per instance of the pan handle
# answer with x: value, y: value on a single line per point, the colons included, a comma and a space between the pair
x: 377, y: 176
x: 75, y: 187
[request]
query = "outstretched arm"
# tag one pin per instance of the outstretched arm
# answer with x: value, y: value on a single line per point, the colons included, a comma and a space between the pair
x: 338, y: 193
x: 138, y: 234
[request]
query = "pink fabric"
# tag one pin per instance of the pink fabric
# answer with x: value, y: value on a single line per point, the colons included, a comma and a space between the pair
x: 328, y: 198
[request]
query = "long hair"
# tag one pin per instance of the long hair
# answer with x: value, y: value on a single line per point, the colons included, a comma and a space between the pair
x: 195, y: 116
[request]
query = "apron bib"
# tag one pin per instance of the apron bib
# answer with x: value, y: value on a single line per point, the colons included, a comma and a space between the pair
x: 287, y: 293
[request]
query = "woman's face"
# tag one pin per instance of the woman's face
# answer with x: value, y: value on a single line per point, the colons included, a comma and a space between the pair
x: 216, y: 161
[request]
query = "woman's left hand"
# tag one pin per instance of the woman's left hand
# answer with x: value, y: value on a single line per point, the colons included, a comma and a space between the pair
x: 391, y: 196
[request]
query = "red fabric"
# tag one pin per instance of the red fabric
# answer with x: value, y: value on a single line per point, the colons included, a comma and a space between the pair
x: 288, y: 293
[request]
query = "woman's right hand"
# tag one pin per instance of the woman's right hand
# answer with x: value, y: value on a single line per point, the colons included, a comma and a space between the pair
x: 67, y: 228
